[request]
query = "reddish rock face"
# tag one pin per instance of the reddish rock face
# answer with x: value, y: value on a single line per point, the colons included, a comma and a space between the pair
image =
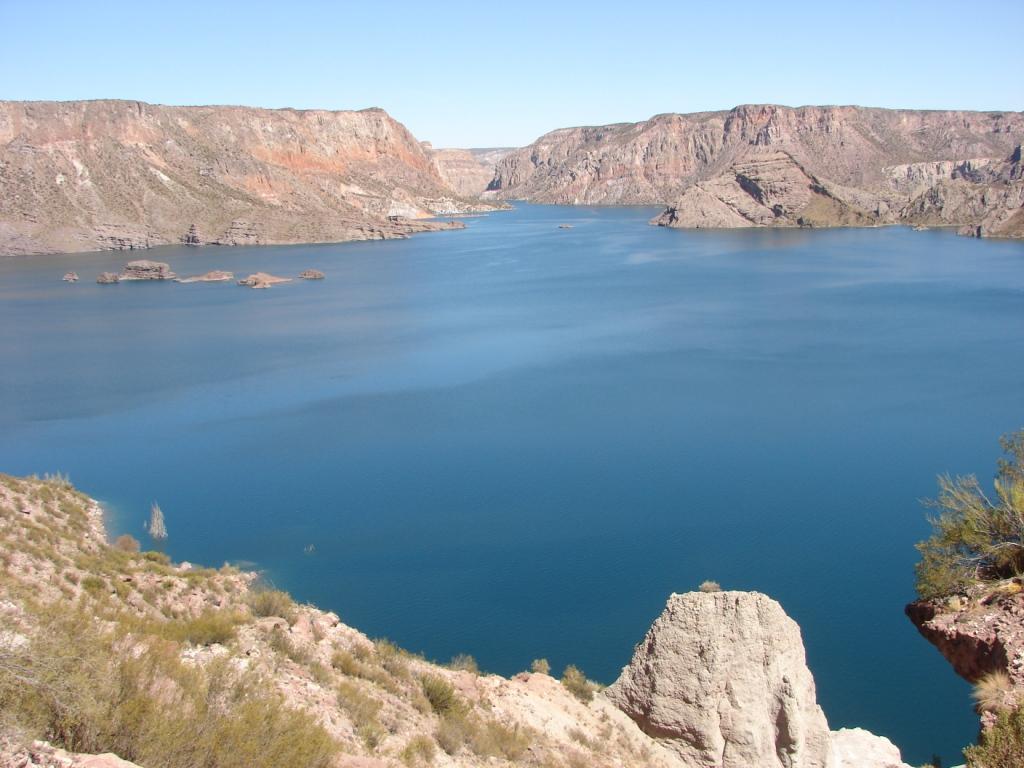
x: 124, y: 175
x: 977, y: 636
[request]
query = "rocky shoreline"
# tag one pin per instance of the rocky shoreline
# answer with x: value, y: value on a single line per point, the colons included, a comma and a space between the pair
x: 720, y: 676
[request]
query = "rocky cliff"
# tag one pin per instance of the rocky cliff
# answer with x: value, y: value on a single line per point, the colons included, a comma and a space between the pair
x: 467, y: 171
x: 106, y: 649
x: 980, y: 633
x: 90, y: 175
x: 766, y: 165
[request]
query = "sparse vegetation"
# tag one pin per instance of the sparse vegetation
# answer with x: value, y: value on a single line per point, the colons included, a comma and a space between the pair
x: 127, y: 543
x: 419, y: 751
x: 540, y: 667
x: 465, y: 663
x: 363, y: 710
x: 1002, y: 745
x: 441, y: 695
x: 77, y: 686
x: 993, y: 692
x: 710, y: 586
x: 976, y: 538
x: 577, y: 684
x: 272, y: 602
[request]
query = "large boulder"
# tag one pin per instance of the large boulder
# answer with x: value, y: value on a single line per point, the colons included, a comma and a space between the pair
x: 721, y: 678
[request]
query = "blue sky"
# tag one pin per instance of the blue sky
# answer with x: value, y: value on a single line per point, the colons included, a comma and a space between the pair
x: 502, y: 73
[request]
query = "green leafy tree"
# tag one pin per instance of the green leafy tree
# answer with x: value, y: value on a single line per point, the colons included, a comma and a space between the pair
x: 976, y: 537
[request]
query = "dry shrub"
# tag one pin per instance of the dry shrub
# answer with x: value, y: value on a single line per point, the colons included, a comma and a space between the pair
x: 577, y: 684
x: 89, y: 690
x: 127, y: 543
x: 993, y: 692
x: 710, y: 586
x: 273, y: 602
x: 419, y: 751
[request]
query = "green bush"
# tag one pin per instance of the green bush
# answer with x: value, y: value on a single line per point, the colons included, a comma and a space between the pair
x: 272, y: 602
x: 207, y: 628
x: 160, y: 558
x: 976, y: 538
x: 1002, y: 745
x: 577, y: 684
x: 441, y: 695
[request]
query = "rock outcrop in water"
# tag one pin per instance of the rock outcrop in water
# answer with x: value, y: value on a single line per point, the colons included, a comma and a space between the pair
x: 144, y: 269
x: 263, y: 280
x: 766, y: 165
x: 721, y: 679
x: 125, y: 175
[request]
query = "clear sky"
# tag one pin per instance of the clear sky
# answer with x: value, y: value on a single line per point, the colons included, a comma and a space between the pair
x: 494, y: 73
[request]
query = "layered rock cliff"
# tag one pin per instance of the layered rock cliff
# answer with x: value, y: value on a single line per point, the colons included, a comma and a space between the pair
x: 467, y: 171
x: 767, y: 165
x: 141, y: 656
x: 90, y: 175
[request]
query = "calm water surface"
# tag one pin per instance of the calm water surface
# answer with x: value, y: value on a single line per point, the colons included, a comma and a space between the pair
x: 516, y: 440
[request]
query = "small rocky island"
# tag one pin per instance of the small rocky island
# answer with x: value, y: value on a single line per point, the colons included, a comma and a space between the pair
x: 108, y: 278
x: 71, y: 277
x: 144, y: 269
x: 214, y: 276
x: 263, y: 280
x: 311, y: 274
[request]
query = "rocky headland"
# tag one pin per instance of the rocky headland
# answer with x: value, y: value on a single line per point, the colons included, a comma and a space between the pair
x: 720, y: 679
x: 768, y: 165
x: 97, y: 175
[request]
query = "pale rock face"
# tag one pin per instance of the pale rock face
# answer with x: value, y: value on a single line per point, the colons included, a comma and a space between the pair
x: 721, y: 679
x: 768, y: 165
x: 857, y: 748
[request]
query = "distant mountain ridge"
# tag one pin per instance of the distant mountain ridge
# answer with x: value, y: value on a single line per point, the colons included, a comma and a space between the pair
x: 768, y: 165
x: 88, y: 175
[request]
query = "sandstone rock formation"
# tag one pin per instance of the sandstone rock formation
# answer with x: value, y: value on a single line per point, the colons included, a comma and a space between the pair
x: 108, y: 278
x: 263, y: 280
x: 721, y: 679
x: 311, y: 274
x: 766, y: 165
x: 90, y: 175
x: 71, y: 277
x: 857, y: 748
x: 144, y: 269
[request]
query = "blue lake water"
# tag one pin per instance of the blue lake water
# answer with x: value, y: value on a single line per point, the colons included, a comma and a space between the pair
x: 516, y: 440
